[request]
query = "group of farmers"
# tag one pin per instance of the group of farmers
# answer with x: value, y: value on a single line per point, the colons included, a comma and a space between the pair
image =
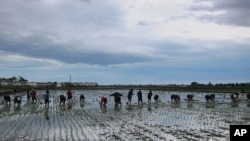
x: 33, y: 96
x: 117, y: 98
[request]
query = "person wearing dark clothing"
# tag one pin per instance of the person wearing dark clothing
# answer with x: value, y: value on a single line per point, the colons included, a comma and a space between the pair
x: 62, y: 99
x: 139, y: 94
x: 130, y: 94
x: 156, y: 98
x: 46, y: 97
x: 149, y: 96
x: 28, y: 95
x: 82, y: 97
x: 117, y: 98
x: 7, y: 99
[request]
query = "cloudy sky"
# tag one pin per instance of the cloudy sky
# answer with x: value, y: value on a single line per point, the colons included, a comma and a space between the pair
x: 126, y: 41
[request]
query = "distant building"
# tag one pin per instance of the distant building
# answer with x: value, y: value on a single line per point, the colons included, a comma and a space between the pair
x: 82, y: 84
x: 58, y: 84
x: 34, y: 84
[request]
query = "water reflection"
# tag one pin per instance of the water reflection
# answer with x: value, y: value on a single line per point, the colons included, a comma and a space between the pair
x: 175, y: 105
x: 62, y: 109
x: 209, y: 105
x: 81, y: 104
x: 190, y: 105
x: 129, y: 108
x: 103, y: 109
x: 234, y: 104
x: 149, y: 108
x: 46, y: 113
x: 248, y: 105
x: 17, y: 109
x: 69, y: 106
x: 7, y: 108
x: 117, y: 108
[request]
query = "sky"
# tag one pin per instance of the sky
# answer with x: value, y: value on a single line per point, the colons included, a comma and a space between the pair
x: 126, y: 41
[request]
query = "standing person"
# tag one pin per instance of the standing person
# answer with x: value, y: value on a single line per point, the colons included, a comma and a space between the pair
x: 130, y: 94
x: 149, y: 96
x: 69, y: 95
x: 28, y: 94
x: 46, y: 97
x: 139, y: 94
x: 33, y: 95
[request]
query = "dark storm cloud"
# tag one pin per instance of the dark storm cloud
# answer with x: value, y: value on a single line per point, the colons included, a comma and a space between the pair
x: 232, y: 12
x: 38, y: 46
x: 28, y: 28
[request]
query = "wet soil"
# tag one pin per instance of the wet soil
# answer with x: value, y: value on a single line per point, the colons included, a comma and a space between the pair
x: 186, y: 120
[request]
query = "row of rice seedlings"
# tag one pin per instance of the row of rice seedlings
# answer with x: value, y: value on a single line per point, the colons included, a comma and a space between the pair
x: 79, y: 125
x: 59, y: 127
x: 181, y: 119
x: 65, y: 131
x: 142, y: 123
x: 107, y: 121
x: 113, y: 129
x: 40, y: 123
x: 214, y: 122
x: 73, y: 126
x: 19, y: 126
x: 23, y: 134
x: 87, y: 124
x: 68, y: 125
x: 50, y: 127
x: 6, y: 128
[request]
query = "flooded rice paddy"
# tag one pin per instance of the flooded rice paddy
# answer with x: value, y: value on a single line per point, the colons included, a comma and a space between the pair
x: 196, y: 120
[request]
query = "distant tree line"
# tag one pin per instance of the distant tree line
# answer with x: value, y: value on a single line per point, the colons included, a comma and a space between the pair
x: 14, y: 79
x: 220, y: 84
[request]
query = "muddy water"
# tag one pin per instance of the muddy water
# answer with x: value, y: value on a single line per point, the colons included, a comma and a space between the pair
x: 197, y: 120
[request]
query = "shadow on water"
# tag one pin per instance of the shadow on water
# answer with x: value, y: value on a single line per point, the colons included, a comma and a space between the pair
x: 62, y: 109
x: 149, y: 108
x: 190, y: 105
x: 81, y: 104
x: 17, y: 109
x: 175, y: 105
x: 130, y: 107
x: 248, y: 105
x: 117, y: 108
x: 103, y: 108
x: 234, y: 104
x: 6, y: 109
x: 209, y: 105
x: 46, y: 113
x: 69, y: 106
